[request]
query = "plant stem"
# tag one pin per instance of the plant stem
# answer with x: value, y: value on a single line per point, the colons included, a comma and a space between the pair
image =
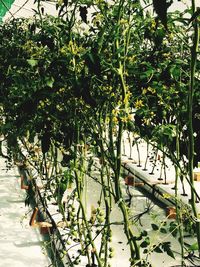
x: 179, y: 219
x: 194, y: 50
x: 145, y: 165
x: 134, y: 249
x: 89, y: 234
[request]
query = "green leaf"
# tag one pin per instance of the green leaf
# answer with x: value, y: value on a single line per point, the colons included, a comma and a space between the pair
x: 145, y: 251
x: 170, y: 253
x: 173, y: 229
x: 32, y: 62
x: 175, y: 72
x: 163, y: 230
x: 145, y: 243
x: 49, y: 198
x: 167, y: 248
x: 144, y: 233
x: 154, y: 227
x: 50, y: 82
x: 193, y: 247
x: 157, y: 249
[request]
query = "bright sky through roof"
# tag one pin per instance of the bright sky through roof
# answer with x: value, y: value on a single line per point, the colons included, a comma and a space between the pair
x: 27, y: 9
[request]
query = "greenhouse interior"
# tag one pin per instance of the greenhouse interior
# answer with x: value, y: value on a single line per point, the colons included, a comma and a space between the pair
x: 100, y: 133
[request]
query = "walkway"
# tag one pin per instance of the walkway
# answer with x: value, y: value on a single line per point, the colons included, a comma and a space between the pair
x: 20, y: 245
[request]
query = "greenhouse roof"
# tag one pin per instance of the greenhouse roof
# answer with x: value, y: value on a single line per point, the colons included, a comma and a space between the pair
x: 4, y: 7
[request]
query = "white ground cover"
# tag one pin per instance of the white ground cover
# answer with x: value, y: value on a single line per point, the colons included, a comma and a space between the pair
x: 20, y: 245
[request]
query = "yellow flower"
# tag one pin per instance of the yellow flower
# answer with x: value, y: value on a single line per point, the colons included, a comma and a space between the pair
x: 115, y: 111
x: 64, y: 49
x: 153, y: 24
x: 166, y: 55
x: 132, y: 59
x: 123, y: 21
x: 107, y: 119
x: 152, y: 90
x: 166, y: 195
x: 146, y: 121
x: 115, y: 120
x: 144, y: 91
x: 62, y: 90
x: 124, y: 119
x: 60, y: 2
x: 127, y: 98
x: 97, y: 19
x: 152, y: 114
x: 138, y: 104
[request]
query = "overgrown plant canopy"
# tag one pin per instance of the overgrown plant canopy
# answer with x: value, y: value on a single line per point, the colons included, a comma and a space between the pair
x: 47, y: 63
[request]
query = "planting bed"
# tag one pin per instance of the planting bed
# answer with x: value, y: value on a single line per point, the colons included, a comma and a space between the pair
x: 148, y: 199
x: 161, y: 181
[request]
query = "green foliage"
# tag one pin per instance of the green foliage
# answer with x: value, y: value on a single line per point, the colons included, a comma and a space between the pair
x: 173, y: 229
x: 145, y: 243
x: 193, y: 247
x: 166, y: 246
x: 71, y: 80
x: 30, y: 194
x: 154, y: 226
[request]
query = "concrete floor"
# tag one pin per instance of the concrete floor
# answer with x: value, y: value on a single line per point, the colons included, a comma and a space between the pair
x: 20, y: 245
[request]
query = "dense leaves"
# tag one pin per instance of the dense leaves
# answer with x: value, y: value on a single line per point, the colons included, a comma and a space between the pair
x: 95, y: 70
x: 161, y: 7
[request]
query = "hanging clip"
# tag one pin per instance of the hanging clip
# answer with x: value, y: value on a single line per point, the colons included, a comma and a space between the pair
x: 45, y: 227
x: 23, y: 186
